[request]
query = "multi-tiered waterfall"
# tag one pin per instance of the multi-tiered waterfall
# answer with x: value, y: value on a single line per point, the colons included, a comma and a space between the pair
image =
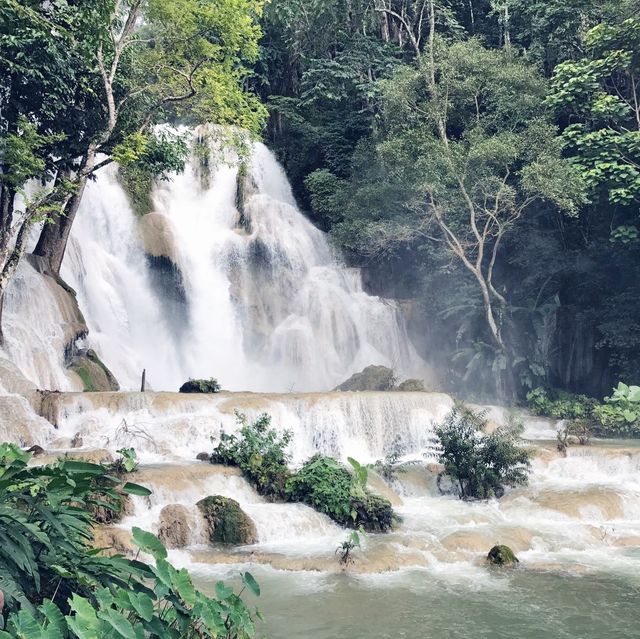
x: 235, y: 283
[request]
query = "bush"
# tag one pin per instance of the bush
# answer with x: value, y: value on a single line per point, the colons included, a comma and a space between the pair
x: 330, y: 488
x: 481, y: 465
x: 259, y: 452
x: 56, y: 585
x: 560, y: 404
x: 201, y: 386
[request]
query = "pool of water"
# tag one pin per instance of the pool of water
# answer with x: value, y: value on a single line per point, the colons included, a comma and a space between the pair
x: 455, y: 604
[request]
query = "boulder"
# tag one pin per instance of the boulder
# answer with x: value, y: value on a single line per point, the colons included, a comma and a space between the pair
x: 201, y: 386
x: 501, y: 555
x: 411, y: 385
x: 203, y: 457
x: 92, y: 371
x: 227, y: 522
x: 174, y: 527
x: 372, y: 378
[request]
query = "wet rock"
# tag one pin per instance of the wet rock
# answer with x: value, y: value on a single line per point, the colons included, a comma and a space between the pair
x: 372, y: 378
x: 227, y: 522
x: 77, y: 441
x: 203, y: 457
x: 411, y: 385
x: 501, y: 555
x: 201, y: 386
x: 174, y: 528
x: 92, y: 371
x: 36, y: 450
x: 114, y: 541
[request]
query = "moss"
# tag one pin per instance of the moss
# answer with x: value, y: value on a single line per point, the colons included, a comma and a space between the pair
x: 138, y: 185
x: 411, y: 385
x: 228, y: 523
x: 501, y: 555
x: 86, y: 378
x: 372, y: 378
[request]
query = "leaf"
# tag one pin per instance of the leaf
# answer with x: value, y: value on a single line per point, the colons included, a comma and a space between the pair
x: 118, y: 623
x: 251, y: 583
x: 182, y: 584
x: 135, y: 489
x: 148, y: 542
x: 142, y: 604
x: 222, y: 591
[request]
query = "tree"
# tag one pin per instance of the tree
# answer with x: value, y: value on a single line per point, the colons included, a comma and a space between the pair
x: 480, y: 464
x: 120, y: 67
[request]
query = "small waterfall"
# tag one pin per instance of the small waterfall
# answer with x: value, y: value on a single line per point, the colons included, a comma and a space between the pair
x: 255, y: 297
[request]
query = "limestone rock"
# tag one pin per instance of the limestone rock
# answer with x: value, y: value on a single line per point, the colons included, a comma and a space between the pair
x: 501, y: 555
x: 372, y: 378
x: 158, y: 237
x: 227, y: 522
x: 92, y: 371
x: 174, y: 528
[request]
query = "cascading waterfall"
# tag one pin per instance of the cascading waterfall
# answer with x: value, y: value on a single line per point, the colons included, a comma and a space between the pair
x: 255, y: 297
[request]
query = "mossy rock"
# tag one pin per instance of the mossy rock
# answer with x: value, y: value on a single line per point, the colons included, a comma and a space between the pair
x: 93, y: 372
x: 372, y: 378
x: 228, y: 523
x: 411, y: 385
x: 501, y: 555
x: 201, y: 386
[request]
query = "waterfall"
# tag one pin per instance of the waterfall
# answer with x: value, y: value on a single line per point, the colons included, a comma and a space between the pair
x: 256, y: 297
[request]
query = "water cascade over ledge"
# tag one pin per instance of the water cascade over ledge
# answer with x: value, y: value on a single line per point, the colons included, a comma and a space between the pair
x: 225, y: 278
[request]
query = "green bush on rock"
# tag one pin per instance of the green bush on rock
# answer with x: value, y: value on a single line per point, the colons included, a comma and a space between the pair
x: 480, y: 464
x: 201, y: 386
x: 260, y: 453
x: 330, y: 488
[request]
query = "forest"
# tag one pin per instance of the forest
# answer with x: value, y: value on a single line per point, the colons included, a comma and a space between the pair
x: 478, y: 159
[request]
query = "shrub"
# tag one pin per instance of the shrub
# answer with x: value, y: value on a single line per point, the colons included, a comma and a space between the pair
x: 201, y: 386
x: 330, y: 488
x: 560, y: 404
x: 259, y: 452
x: 56, y: 585
x: 390, y: 466
x: 619, y: 416
x: 480, y: 464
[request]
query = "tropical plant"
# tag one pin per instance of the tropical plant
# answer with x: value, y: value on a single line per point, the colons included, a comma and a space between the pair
x: 259, y: 451
x: 480, y: 464
x: 620, y: 413
x: 346, y: 548
x: 56, y: 585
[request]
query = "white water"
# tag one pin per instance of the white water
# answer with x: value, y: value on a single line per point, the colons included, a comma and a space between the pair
x: 270, y: 309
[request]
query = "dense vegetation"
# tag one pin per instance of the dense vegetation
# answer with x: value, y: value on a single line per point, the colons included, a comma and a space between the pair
x: 479, y: 463
x: 617, y: 416
x: 322, y: 482
x: 55, y: 584
x: 482, y: 159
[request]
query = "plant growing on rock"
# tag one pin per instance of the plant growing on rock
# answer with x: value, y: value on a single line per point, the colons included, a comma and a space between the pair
x: 480, y: 464
x: 330, y: 488
x: 259, y: 451
x: 210, y: 385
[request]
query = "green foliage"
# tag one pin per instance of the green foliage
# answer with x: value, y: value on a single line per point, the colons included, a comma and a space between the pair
x: 126, y: 463
x: 480, y: 464
x: 56, y: 585
x: 259, y: 451
x: 346, y: 548
x: 390, y: 467
x: 560, y: 404
x: 330, y: 488
x: 620, y: 413
x: 201, y: 386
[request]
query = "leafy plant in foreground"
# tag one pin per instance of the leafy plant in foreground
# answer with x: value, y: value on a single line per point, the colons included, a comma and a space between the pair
x: 56, y: 585
x: 346, y: 548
